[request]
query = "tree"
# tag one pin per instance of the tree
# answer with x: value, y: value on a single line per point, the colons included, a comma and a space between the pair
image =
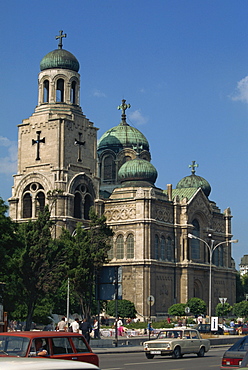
x: 8, y: 240
x: 39, y: 262
x: 86, y: 253
x: 125, y: 309
x: 223, y: 309
x: 241, y: 309
x: 197, y: 306
x: 177, y: 309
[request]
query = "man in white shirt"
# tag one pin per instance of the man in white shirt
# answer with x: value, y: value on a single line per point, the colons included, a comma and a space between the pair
x: 75, y: 326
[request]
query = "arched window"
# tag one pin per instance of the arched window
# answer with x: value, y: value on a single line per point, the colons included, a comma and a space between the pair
x: 73, y: 92
x: 120, y: 247
x: 162, y: 249
x: 130, y: 246
x: 87, y: 204
x: 109, y: 168
x: 195, y: 243
x: 156, y: 249
x: 46, y: 91
x: 169, y: 250
x: 27, y: 205
x: 78, y: 205
x: 60, y: 91
x: 39, y: 203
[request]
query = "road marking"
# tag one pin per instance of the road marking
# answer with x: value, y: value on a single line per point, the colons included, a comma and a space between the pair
x: 149, y: 362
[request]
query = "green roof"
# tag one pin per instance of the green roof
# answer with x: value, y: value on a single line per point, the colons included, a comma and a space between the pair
x: 183, y: 193
x: 122, y: 136
x: 59, y: 58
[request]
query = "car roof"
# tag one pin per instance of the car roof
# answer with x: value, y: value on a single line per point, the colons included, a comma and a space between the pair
x: 38, y: 334
x: 21, y: 363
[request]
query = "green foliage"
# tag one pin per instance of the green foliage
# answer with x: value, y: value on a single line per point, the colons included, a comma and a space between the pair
x: 223, y: 310
x: 197, y: 306
x: 37, y: 263
x: 125, y: 309
x: 86, y: 253
x: 241, y: 309
x: 177, y: 309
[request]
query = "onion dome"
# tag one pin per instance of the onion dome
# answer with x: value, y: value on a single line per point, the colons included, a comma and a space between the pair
x: 137, y: 172
x: 194, y: 181
x: 123, y: 135
x: 60, y: 58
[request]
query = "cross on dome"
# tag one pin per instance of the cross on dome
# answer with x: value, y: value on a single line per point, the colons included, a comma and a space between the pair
x: 193, y: 166
x: 124, y: 107
x: 60, y: 39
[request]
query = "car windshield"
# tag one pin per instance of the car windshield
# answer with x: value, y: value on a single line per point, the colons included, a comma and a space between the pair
x: 13, y: 346
x: 240, y: 345
x: 170, y: 334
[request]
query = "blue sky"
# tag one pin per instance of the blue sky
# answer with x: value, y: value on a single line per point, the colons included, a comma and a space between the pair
x: 182, y: 65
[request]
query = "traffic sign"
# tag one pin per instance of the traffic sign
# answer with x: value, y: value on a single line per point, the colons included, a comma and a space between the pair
x: 151, y: 300
x: 187, y: 310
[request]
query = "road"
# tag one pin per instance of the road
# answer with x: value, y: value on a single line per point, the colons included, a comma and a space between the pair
x: 138, y: 361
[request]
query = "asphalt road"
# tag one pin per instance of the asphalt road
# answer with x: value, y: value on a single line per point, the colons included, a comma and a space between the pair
x: 138, y: 361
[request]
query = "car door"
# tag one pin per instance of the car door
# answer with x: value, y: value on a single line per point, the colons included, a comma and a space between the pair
x: 186, y: 342
x: 195, y: 341
x: 82, y: 350
x: 61, y: 348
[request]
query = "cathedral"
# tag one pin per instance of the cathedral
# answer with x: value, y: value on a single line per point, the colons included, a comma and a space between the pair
x: 58, y: 151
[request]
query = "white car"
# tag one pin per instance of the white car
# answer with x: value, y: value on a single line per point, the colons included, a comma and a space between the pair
x: 22, y: 363
x: 177, y: 342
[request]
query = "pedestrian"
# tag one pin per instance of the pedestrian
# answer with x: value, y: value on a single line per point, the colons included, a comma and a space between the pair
x: 86, y: 329
x: 96, y: 329
x: 75, y: 326
x: 61, y: 326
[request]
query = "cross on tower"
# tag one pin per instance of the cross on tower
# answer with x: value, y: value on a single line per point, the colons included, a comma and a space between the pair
x: 193, y: 166
x: 80, y: 143
x: 38, y: 141
x: 60, y: 39
x: 123, y: 107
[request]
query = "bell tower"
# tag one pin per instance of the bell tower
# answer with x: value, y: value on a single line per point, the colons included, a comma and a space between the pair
x: 56, y: 148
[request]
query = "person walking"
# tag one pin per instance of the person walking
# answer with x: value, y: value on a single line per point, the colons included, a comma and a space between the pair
x: 61, y: 325
x: 75, y: 326
x: 86, y: 329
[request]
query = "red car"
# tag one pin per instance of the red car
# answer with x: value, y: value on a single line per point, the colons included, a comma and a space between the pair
x: 59, y: 345
x: 234, y: 355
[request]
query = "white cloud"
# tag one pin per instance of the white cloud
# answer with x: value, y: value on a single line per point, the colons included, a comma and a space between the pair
x: 241, y: 92
x: 99, y: 94
x: 137, y: 117
x: 8, y: 156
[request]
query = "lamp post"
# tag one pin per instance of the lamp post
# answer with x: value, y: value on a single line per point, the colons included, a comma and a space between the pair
x: 211, y: 248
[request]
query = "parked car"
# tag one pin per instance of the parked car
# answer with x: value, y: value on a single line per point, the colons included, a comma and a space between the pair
x: 234, y: 355
x: 241, y: 328
x: 228, y: 329
x: 21, y: 363
x: 206, y: 328
x: 54, y: 345
x: 177, y: 342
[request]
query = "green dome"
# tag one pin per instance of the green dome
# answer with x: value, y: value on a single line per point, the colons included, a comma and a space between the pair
x: 59, y: 58
x: 194, y: 181
x: 122, y: 136
x: 138, y: 170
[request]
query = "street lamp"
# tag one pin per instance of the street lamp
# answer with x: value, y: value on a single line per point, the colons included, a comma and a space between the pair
x: 211, y: 249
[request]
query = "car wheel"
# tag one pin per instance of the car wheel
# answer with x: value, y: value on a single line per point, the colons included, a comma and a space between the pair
x: 149, y: 356
x: 201, y: 353
x: 176, y: 353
